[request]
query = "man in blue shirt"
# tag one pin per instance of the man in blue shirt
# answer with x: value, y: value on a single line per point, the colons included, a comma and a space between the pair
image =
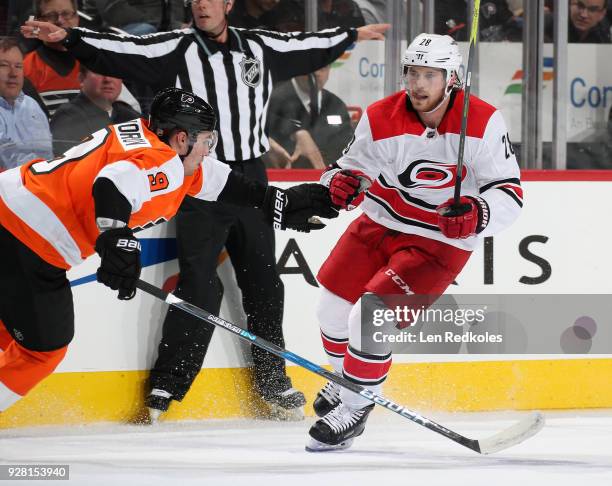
x: 24, y: 129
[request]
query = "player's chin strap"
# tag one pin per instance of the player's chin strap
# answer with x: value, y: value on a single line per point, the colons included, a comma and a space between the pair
x: 183, y: 157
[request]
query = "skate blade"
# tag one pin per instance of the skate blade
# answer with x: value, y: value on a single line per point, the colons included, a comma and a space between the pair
x: 316, y: 446
x: 286, y: 414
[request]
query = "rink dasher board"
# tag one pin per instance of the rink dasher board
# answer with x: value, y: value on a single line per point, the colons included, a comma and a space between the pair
x: 113, y: 335
x: 103, y: 375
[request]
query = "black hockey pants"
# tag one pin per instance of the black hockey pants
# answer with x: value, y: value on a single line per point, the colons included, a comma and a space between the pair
x: 203, y: 229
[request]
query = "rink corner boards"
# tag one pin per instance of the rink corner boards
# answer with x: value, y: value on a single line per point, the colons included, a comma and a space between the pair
x: 223, y: 393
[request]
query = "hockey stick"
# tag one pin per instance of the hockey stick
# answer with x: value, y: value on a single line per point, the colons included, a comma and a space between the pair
x: 515, y: 434
x: 466, y: 106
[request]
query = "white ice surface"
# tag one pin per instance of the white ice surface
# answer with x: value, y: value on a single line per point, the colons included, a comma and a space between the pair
x: 573, y: 449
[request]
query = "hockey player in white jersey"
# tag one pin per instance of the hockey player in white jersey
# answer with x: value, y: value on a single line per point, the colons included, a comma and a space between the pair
x: 405, y: 151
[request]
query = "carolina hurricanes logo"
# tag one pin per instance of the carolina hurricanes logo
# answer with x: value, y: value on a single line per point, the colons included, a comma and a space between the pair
x: 430, y: 175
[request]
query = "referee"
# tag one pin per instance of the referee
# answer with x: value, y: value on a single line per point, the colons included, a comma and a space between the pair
x: 234, y: 70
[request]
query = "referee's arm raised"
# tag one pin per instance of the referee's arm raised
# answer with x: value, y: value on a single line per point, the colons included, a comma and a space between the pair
x: 296, y: 53
x: 138, y: 58
x: 147, y: 58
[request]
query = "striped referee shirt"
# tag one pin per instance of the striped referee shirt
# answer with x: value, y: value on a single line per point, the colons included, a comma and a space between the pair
x: 236, y: 78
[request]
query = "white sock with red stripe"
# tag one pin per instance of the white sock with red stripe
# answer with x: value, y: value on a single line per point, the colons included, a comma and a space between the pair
x: 368, y: 370
x: 333, y: 315
x: 335, y: 348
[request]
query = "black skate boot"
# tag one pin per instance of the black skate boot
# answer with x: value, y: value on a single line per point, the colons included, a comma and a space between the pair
x: 157, y: 402
x: 287, y: 405
x: 338, y: 428
x: 327, y: 399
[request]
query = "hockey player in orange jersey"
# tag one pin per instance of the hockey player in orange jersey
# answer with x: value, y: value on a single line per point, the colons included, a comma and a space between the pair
x: 56, y: 213
x: 405, y: 153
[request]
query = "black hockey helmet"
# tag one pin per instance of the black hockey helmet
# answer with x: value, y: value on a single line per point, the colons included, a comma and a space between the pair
x: 175, y: 108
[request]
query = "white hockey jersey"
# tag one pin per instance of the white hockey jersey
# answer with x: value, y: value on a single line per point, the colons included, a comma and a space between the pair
x: 413, y: 167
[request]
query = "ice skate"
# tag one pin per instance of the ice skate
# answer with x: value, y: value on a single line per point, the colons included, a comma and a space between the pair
x: 327, y: 399
x: 287, y: 405
x: 157, y: 403
x: 338, y: 429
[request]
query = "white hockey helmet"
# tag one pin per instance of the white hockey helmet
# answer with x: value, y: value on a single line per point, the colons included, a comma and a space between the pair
x: 437, y: 51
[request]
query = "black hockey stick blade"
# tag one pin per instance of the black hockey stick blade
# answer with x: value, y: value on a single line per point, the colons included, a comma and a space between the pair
x: 502, y: 440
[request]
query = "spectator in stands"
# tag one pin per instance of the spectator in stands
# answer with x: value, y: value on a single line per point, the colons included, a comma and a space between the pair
x: 345, y: 13
x: 588, y: 22
x: 16, y: 12
x: 137, y: 17
x: 53, y: 71
x: 373, y: 11
x: 4, y: 18
x: 95, y: 107
x: 515, y: 6
x: 451, y: 19
x: 253, y: 14
x: 513, y: 29
x: 308, y: 121
x: 24, y: 130
x: 289, y: 15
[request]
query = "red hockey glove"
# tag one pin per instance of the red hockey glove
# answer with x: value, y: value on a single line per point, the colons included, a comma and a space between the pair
x: 345, y: 187
x: 467, y: 219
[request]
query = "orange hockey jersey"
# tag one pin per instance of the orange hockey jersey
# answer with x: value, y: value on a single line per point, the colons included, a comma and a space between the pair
x: 53, y: 88
x: 48, y: 205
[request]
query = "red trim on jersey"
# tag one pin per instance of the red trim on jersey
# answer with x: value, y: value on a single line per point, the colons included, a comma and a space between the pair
x: 401, y: 207
x: 478, y: 117
x: 390, y: 118
x: 515, y: 189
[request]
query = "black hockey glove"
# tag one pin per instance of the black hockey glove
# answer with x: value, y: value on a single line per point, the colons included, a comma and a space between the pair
x: 120, y: 268
x: 295, y: 208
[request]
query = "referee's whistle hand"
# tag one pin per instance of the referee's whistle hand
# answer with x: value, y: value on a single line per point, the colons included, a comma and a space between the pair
x: 372, y: 32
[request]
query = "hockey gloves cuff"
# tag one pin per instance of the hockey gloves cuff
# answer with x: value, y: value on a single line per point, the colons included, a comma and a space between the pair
x: 467, y: 219
x: 120, y: 267
x: 295, y: 208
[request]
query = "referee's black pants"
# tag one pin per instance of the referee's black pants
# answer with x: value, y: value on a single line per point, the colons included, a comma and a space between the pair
x: 203, y: 228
